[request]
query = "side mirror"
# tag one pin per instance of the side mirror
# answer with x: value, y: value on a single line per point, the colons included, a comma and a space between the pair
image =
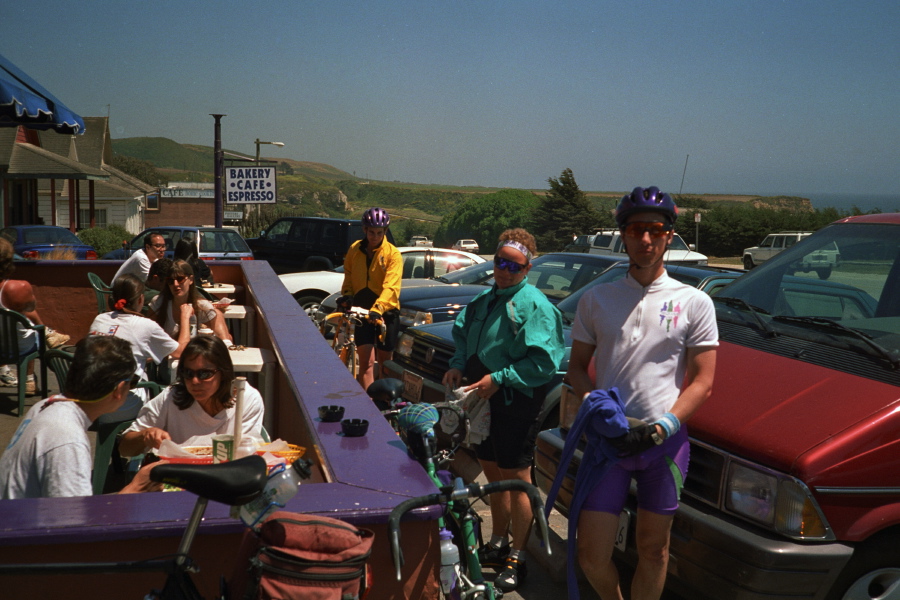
x: 692, y: 246
x: 262, y: 233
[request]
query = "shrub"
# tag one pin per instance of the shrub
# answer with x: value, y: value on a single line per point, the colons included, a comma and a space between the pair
x: 105, y: 239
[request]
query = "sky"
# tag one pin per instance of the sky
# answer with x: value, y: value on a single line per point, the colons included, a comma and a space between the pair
x: 752, y: 97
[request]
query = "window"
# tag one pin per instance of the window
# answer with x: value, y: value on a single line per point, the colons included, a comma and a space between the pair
x: 779, y: 242
x: 152, y: 202
x: 84, y: 217
x: 767, y: 243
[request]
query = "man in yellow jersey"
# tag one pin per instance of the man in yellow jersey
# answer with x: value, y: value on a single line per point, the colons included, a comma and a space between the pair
x: 373, y: 269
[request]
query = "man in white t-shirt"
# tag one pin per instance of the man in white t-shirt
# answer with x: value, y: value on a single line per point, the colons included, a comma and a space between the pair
x: 653, y: 339
x: 50, y: 453
x: 139, y: 262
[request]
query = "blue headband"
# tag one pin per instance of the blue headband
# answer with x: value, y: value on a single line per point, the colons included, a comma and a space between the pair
x: 520, y: 247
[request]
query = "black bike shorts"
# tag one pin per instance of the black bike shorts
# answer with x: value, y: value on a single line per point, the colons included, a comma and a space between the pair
x: 365, y: 334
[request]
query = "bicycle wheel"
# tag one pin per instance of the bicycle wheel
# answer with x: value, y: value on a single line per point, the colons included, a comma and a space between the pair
x: 352, y: 362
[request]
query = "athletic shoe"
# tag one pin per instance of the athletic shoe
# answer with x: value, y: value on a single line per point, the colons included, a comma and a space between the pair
x: 492, y: 557
x: 512, y: 575
x: 55, y: 338
x: 7, y: 377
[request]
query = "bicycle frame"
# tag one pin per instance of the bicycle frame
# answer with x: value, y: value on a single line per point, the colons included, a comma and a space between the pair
x: 344, y: 342
x: 455, y: 498
x: 233, y: 483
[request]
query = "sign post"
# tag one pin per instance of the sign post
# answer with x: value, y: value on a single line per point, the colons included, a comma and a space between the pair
x: 696, y: 232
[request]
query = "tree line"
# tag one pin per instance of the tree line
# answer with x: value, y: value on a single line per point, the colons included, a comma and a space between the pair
x: 554, y: 217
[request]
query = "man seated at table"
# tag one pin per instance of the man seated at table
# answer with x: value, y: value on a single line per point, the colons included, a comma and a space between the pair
x: 50, y: 453
x: 200, y: 404
x: 156, y: 280
x: 18, y: 295
x: 138, y: 264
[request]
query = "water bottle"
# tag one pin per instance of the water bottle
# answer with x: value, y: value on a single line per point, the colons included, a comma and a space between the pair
x: 449, y: 562
x: 281, y: 487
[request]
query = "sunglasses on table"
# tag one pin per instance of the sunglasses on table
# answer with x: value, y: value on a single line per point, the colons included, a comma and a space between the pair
x: 639, y: 228
x: 201, y: 374
x: 505, y: 264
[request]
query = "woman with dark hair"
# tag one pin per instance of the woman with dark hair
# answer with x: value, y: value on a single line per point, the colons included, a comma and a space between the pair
x: 148, y: 340
x: 179, y: 305
x: 186, y: 250
x: 200, y: 403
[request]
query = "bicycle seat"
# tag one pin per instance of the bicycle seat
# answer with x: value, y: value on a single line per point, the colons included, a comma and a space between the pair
x: 384, y: 392
x: 233, y: 483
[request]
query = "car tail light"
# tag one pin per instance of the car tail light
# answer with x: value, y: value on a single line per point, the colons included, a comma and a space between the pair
x: 31, y: 254
x: 246, y: 258
x: 91, y: 255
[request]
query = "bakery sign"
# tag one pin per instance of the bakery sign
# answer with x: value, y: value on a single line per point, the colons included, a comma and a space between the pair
x: 250, y: 185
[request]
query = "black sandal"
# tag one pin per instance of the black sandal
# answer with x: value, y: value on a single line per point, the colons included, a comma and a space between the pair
x: 512, y: 575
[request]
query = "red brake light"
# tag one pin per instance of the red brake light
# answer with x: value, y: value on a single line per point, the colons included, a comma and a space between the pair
x: 91, y: 255
x: 246, y: 258
x: 31, y: 254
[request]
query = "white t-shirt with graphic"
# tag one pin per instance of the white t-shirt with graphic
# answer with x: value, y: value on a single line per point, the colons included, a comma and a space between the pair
x: 148, y: 340
x: 641, y: 336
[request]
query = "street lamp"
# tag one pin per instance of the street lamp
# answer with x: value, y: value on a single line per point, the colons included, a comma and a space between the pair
x: 258, y: 142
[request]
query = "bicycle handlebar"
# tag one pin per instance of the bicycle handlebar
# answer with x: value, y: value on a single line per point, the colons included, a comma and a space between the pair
x: 456, y: 492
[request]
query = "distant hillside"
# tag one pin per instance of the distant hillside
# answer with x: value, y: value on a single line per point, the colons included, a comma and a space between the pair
x: 168, y: 155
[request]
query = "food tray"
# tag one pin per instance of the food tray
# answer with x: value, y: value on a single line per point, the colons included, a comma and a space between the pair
x: 204, y: 454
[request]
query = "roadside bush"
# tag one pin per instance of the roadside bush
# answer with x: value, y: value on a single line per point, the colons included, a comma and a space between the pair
x: 105, y: 239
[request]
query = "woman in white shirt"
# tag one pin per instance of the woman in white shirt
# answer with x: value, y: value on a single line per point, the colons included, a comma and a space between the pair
x: 201, y: 402
x: 149, y: 342
x: 179, y: 305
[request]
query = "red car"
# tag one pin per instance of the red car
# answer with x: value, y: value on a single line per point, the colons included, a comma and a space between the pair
x: 793, y: 489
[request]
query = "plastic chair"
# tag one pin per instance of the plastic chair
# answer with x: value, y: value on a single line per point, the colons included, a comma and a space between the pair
x: 102, y: 291
x: 10, y: 324
x: 59, y: 361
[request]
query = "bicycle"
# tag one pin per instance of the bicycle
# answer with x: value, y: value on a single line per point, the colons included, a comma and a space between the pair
x: 459, y: 580
x: 233, y: 483
x: 343, y: 342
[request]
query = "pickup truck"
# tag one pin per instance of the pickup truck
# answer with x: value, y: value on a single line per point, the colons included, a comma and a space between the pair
x: 793, y: 489
x: 420, y: 240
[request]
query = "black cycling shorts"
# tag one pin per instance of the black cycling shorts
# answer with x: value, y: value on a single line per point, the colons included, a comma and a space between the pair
x: 514, y: 428
x: 365, y: 334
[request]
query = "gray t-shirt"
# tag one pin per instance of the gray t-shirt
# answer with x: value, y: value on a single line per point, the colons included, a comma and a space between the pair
x: 50, y: 453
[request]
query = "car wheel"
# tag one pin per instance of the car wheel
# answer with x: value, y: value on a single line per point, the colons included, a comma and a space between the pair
x: 309, y: 303
x: 872, y: 572
x: 824, y: 273
x: 748, y: 263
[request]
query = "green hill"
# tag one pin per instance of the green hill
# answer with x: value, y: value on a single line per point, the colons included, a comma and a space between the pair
x: 168, y: 155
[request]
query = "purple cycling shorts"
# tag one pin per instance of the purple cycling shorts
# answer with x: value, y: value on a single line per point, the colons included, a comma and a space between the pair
x: 659, y: 473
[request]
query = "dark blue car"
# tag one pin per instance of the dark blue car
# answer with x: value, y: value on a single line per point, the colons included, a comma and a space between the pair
x: 48, y: 242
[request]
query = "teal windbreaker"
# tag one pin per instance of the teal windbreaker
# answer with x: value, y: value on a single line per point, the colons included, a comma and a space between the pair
x: 516, y: 333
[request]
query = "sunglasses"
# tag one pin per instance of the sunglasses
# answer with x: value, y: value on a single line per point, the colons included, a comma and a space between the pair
x: 508, y: 265
x: 638, y: 229
x: 158, y: 245
x: 178, y: 279
x: 201, y: 374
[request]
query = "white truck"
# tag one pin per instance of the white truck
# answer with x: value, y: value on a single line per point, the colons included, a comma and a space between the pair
x: 420, y: 240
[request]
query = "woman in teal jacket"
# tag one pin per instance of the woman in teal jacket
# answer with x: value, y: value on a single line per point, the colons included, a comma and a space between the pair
x: 509, y: 344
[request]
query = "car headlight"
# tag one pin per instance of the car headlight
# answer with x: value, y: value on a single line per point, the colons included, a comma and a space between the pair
x: 776, y: 501
x: 404, y: 345
x: 409, y: 317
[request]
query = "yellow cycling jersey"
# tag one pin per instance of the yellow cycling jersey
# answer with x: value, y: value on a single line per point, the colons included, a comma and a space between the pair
x: 380, y: 278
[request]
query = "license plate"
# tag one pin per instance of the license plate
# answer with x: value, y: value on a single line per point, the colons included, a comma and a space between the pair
x: 622, y: 530
x: 412, y: 386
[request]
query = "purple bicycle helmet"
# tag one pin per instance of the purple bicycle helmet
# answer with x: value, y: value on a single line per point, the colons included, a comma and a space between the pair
x: 376, y: 217
x: 646, y: 199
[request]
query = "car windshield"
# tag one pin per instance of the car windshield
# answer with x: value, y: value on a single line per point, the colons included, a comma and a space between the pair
x: 224, y: 240
x: 482, y: 274
x: 50, y: 235
x: 847, y: 273
x: 678, y: 243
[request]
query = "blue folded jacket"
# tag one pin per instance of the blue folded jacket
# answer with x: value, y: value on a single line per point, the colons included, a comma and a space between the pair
x: 601, y: 416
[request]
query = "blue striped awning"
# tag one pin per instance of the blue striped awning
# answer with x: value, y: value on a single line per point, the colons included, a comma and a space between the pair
x: 23, y: 101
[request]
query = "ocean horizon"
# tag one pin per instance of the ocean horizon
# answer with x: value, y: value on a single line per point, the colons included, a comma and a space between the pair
x: 864, y: 202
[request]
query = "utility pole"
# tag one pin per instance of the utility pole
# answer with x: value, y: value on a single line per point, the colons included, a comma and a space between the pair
x: 683, y: 174
x: 219, y: 168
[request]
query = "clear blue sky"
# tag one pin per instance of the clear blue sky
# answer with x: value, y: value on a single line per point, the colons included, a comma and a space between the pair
x: 792, y: 97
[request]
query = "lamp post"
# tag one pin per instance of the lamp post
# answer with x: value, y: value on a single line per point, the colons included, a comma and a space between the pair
x: 218, y: 169
x: 258, y: 142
